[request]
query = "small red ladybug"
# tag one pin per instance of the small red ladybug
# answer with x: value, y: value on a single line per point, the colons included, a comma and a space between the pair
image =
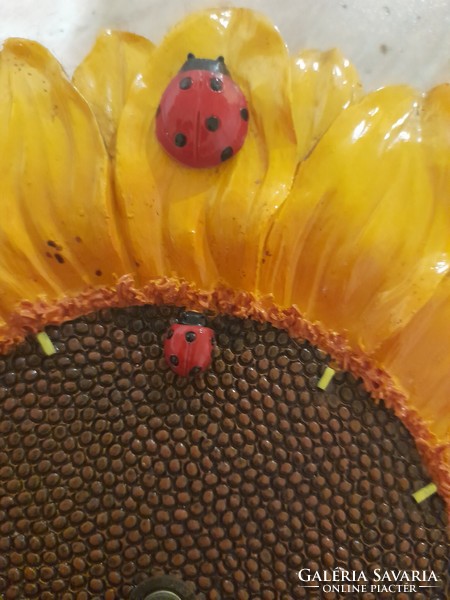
x: 189, y: 344
x: 202, y: 119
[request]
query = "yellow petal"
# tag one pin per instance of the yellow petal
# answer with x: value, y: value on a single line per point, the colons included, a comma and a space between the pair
x: 436, y: 139
x: 105, y: 76
x: 359, y: 241
x: 202, y: 224
x: 323, y: 84
x: 419, y: 359
x: 419, y: 355
x: 57, y: 234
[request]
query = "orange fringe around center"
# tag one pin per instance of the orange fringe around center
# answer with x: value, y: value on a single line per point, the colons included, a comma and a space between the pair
x: 32, y: 317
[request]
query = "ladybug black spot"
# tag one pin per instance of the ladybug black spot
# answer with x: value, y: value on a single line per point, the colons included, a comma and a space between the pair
x: 190, y: 336
x: 216, y: 84
x: 244, y: 114
x: 194, y: 371
x: 185, y: 83
x: 174, y: 359
x: 180, y: 140
x: 226, y: 153
x: 212, y: 123
x: 169, y: 334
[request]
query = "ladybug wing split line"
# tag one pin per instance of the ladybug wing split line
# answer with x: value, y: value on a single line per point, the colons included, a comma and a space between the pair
x: 189, y: 344
x: 202, y: 119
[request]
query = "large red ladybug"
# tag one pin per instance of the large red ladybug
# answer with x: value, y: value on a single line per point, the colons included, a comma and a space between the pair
x: 202, y: 118
x: 189, y: 344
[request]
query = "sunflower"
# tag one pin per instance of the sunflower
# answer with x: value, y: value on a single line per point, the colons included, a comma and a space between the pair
x: 332, y: 222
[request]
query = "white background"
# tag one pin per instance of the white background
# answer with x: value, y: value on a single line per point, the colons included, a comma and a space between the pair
x: 389, y: 41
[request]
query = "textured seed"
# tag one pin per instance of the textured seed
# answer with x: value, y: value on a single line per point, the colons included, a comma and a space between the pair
x: 113, y: 469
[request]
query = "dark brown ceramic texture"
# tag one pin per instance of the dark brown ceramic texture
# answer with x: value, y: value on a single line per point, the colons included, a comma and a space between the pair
x: 113, y: 469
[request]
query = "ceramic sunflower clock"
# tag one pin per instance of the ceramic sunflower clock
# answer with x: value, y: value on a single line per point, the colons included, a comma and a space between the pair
x: 224, y: 317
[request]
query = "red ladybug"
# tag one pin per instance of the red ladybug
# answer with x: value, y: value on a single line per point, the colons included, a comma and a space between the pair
x: 202, y: 118
x: 189, y: 344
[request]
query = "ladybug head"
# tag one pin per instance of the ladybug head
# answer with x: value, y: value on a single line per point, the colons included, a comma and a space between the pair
x: 205, y: 64
x: 190, y: 317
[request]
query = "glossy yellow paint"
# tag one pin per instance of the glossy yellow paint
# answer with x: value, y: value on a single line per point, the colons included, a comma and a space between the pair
x: 337, y: 202
x: 418, y: 358
x: 57, y: 232
x: 359, y: 242
x: 323, y: 84
x: 106, y: 74
x: 209, y: 225
x: 419, y: 355
x: 206, y: 225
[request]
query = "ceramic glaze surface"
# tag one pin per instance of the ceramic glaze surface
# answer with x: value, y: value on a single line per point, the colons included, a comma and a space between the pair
x: 390, y: 42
